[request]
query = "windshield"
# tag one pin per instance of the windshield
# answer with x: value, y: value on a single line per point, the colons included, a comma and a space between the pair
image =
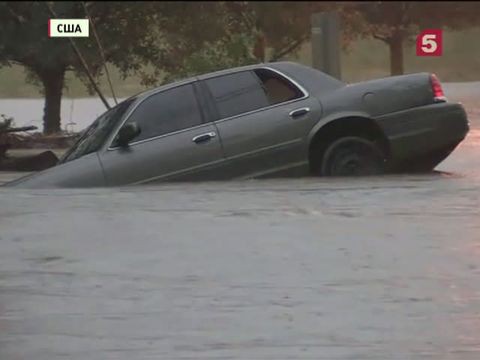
x: 96, y: 134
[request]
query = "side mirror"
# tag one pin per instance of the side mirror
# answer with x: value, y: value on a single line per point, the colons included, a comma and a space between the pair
x: 127, y: 133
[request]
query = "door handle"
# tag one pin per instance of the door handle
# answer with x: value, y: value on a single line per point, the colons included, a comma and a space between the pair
x: 204, y: 137
x: 299, y: 112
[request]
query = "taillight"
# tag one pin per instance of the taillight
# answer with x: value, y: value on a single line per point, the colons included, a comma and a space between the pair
x: 438, y: 95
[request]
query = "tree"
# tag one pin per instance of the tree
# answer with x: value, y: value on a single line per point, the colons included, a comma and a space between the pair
x: 279, y: 28
x: 24, y: 40
x: 196, y: 37
x: 398, y: 22
x: 244, y: 33
x: 173, y: 38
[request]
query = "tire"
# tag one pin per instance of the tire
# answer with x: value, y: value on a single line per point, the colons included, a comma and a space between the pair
x: 352, y: 156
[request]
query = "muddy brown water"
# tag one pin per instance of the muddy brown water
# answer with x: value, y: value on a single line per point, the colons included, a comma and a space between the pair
x: 367, y: 268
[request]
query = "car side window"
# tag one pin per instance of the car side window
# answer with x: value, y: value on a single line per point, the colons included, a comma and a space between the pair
x: 166, y: 112
x: 278, y: 88
x: 237, y: 93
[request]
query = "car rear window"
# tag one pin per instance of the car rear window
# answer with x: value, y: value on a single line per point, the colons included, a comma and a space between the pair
x: 277, y: 88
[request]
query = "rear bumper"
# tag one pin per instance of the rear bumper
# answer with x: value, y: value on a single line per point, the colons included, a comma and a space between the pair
x: 424, y: 130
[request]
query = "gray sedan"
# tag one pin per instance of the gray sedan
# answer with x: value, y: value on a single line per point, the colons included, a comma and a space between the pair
x: 276, y: 119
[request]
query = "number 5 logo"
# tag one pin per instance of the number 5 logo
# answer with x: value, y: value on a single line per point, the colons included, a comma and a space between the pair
x: 429, y: 43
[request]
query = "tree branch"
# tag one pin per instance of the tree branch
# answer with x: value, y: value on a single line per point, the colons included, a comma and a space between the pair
x: 19, y: 18
x: 83, y: 62
x: 294, y: 45
x: 102, y: 51
x: 382, y: 38
x: 405, y: 12
x: 247, y: 17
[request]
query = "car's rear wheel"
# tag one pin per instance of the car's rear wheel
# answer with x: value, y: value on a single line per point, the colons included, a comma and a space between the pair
x: 352, y: 156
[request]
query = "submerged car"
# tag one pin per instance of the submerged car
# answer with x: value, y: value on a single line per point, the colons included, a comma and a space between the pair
x: 274, y: 119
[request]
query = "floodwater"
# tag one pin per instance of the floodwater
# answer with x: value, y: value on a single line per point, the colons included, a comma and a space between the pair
x: 76, y: 114
x: 366, y: 268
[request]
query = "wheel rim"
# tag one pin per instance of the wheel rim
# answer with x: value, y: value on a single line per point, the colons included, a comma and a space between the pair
x: 352, y: 158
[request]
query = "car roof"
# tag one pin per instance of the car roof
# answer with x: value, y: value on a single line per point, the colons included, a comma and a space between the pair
x: 242, y: 68
x: 272, y: 65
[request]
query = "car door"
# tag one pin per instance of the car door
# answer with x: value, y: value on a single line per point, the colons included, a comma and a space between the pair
x: 263, y: 119
x: 175, y: 143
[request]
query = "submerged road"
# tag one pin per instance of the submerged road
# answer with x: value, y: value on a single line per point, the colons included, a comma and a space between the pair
x: 374, y: 268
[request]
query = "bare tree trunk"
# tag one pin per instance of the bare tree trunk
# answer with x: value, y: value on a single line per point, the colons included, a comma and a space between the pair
x: 53, y: 81
x: 395, y: 44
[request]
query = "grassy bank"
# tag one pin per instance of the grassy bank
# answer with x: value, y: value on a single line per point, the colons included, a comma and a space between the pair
x: 366, y: 59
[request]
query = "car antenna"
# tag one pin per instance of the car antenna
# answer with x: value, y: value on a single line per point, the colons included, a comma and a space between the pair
x: 83, y: 62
